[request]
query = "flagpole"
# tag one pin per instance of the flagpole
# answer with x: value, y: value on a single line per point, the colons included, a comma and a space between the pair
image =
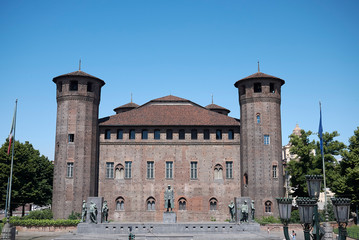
x: 322, y: 153
x: 7, y: 196
x: 12, y: 165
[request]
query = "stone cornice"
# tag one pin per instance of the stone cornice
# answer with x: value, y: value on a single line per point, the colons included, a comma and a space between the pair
x: 259, y: 99
x: 76, y: 97
x: 171, y: 143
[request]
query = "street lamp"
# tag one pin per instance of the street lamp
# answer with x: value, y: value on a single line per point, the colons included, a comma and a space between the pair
x: 306, y: 207
x: 314, y: 185
x: 285, y: 210
x: 341, y: 213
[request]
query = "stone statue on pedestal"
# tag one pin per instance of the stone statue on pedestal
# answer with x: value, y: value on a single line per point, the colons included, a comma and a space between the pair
x: 232, y: 210
x: 84, y: 211
x: 105, y: 212
x: 93, y: 213
x: 169, y: 199
x: 244, y: 209
x: 253, y: 210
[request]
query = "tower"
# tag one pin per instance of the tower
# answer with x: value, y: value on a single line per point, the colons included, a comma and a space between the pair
x: 76, y: 144
x: 261, y: 140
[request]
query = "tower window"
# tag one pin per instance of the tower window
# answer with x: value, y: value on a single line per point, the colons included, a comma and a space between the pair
x: 266, y: 139
x: 150, y: 170
x: 245, y: 179
x: 119, y: 134
x: 107, y: 134
x: 145, y: 134
x: 271, y: 88
x: 169, y: 170
x: 213, y: 204
x: 74, y: 85
x: 257, y: 87
x: 181, y: 134
x: 128, y: 169
x: 206, y: 134
x: 59, y: 86
x: 70, y: 170
x: 229, y: 169
x: 268, y: 206
x: 169, y: 134
x: 89, y: 87
x: 194, y: 134
x: 71, y: 137
x: 258, y: 118
x: 132, y: 134
x: 274, y: 171
x: 230, y: 135
x: 243, y: 90
x: 193, y: 170
x: 218, y: 134
x: 157, y: 134
x: 109, y: 169
x: 182, y: 204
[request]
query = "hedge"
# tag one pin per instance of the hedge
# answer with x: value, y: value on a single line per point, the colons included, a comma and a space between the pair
x: 43, y: 222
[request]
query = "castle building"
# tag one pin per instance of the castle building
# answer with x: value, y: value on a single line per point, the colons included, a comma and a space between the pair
x: 130, y: 158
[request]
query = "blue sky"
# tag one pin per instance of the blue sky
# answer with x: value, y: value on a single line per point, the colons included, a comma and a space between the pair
x: 190, y: 49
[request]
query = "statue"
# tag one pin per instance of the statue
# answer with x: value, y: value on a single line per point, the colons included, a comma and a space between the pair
x: 84, y: 211
x: 169, y: 199
x: 232, y: 210
x: 244, y: 209
x: 105, y: 212
x: 93, y: 213
x: 253, y: 210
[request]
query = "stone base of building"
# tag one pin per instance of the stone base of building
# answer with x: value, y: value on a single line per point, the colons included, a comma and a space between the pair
x: 169, y: 217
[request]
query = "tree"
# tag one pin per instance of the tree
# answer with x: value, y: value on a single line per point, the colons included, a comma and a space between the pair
x: 32, y: 176
x: 309, y: 159
x: 347, y: 183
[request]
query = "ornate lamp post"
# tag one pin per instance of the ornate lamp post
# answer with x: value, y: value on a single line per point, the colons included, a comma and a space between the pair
x: 285, y: 210
x: 306, y: 208
x: 314, y: 186
x: 341, y: 213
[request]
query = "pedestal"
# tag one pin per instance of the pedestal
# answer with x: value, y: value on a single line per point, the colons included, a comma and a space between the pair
x: 238, y: 203
x: 328, y: 231
x: 169, y: 217
x: 98, y: 201
x: 8, y: 232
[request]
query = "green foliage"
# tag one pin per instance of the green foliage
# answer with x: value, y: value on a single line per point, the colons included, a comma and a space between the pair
x: 74, y: 216
x: 309, y: 160
x: 294, y: 218
x: 346, y: 184
x: 40, y: 214
x: 213, y: 219
x: 43, y: 222
x: 353, y: 231
x: 330, y: 212
x: 267, y: 220
x: 32, y: 176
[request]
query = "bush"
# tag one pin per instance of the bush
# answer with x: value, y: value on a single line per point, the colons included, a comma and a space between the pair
x: 294, y: 218
x: 267, y: 220
x: 40, y: 214
x: 74, y: 216
x: 43, y: 222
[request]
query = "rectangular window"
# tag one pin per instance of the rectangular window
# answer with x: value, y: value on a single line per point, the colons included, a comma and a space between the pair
x: 193, y: 170
x: 206, y: 134
x: 128, y: 166
x: 150, y: 167
x: 71, y: 137
x: 181, y: 134
x: 70, y: 170
x: 219, y: 134
x: 109, y: 170
x: 274, y: 171
x: 145, y: 134
x: 271, y: 87
x: 132, y: 134
x: 169, y: 170
x: 229, y: 169
x: 74, y: 85
x: 89, y: 87
x: 194, y: 134
x: 230, y: 135
x: 157, y: 134
x: 59, y: 86
x: 107, y: 134
x: 266, y: 140
x: 169, y: 134
x: 257, y: 87
x: 119, y: 134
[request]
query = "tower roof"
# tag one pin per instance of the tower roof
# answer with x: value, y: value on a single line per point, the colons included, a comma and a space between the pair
x: 216, y: 107
x: 77, y: 74
x: 259, y: 75
x: 126, y: 107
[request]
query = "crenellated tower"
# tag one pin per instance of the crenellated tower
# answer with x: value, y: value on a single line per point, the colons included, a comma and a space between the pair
x: 76, y: 144
x: 261, y: 141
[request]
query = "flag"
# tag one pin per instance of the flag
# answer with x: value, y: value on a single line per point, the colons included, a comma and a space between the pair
x: 320, y: 131
x: 12, y: 131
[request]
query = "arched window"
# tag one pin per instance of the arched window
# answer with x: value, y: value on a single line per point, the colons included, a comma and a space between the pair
x: 218, y: 171
x: 213, y: 204
x: 151, y: 204
x: 194, y: 134
x: 230, y: 134
x: 268, y: 206
x: 258, y: 118
x: 181, y: 134
x: 169, y: 134
x: 120, y: 204
x: 245, y: 179
x: 182, y: 204
x: 120, y: 172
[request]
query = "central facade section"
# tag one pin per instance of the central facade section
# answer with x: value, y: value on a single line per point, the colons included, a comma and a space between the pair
x: 169, y: 141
